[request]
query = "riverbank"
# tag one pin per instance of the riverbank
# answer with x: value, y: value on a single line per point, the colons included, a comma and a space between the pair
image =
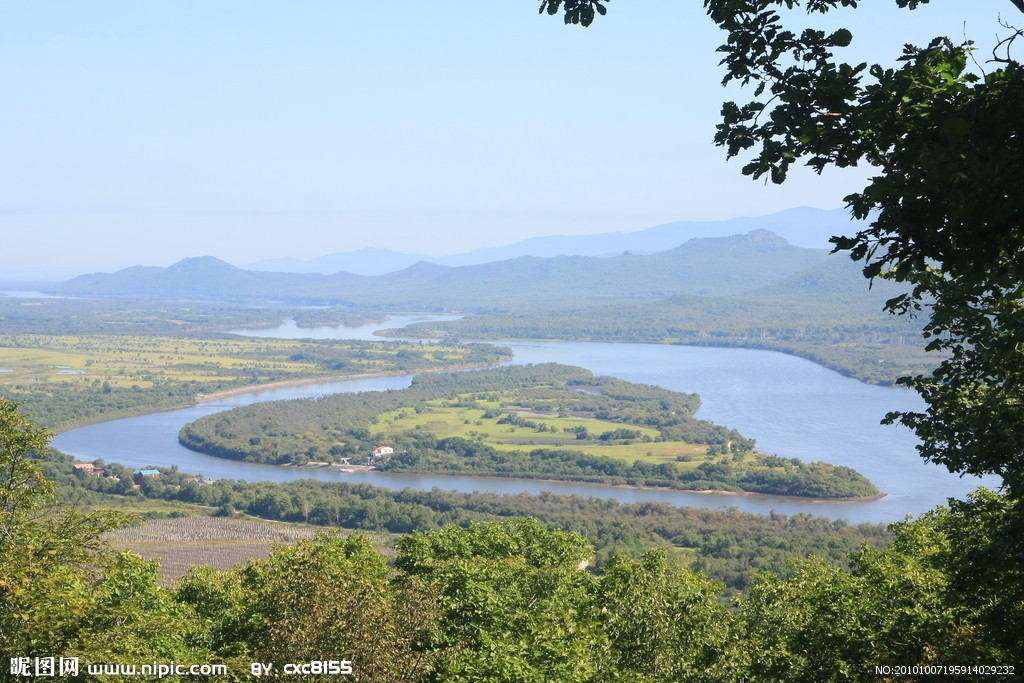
x: 336, y: 467
x: 878, y: 364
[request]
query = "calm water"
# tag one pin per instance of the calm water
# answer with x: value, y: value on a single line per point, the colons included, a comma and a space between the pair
x: 793, y: 408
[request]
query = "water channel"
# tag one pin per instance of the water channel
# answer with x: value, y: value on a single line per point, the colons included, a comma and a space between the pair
x: 793, y: 408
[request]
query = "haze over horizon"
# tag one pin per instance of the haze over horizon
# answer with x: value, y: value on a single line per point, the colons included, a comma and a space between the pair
x: 141, y: 134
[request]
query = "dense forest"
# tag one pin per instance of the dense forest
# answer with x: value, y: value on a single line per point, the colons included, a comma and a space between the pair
x: 488, y: 421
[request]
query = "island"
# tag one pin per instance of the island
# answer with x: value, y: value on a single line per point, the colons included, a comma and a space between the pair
x: 546, y: 421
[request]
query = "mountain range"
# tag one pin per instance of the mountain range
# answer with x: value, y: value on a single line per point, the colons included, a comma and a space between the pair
x: 802, y: 227
x: 711, y: 266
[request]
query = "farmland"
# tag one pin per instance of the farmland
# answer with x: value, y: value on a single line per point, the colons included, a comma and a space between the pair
x: 182, y: 543
x: 66, y: 380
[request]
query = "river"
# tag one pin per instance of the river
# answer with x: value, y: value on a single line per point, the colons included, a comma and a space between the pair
x: 793, y: 408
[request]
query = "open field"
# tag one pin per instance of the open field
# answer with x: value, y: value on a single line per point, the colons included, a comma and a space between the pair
x: 439, y: 418
x: 183, y: 543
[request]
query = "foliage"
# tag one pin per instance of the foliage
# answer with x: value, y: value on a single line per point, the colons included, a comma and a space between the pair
x: 62, y: 590
x: 664, y: 622
x: 517, y: 605
x: 726, y: 544
x: 937, y: 132
x: 917, y: 600
x: 326, y: 598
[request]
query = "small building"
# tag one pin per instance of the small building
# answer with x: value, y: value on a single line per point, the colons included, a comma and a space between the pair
x: 88, y: 468
x: 382, y: 450
x: 138, y: 476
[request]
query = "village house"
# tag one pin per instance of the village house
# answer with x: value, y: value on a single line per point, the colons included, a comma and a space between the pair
x: 382, y: 450
x: 88, y: 468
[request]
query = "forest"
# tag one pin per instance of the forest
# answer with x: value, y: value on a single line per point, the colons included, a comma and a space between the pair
x: 489, y: 422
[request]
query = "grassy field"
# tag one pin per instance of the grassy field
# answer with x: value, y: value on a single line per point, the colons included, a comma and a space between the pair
x: 183, y: 543
x: 442, y: 419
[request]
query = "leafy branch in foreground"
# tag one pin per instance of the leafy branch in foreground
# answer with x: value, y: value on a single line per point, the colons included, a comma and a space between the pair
x: 947, y: 141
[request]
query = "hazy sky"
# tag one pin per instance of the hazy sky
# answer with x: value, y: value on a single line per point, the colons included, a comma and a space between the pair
x: 143, y: 132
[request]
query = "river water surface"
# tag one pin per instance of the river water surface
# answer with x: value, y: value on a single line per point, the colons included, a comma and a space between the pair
x: 793, y: 408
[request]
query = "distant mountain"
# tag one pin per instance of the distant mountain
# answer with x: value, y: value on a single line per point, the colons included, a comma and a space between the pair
x: 202, y: 277
x: 719, y: 265
x: 802, y: 227
x: 369, y: 261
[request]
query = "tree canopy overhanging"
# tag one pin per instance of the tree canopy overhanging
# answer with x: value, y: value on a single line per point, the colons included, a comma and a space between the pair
x: 942, y: 127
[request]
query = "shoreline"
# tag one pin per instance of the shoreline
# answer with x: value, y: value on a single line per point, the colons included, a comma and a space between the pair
x: 284, y: 384
x: 335, y: 467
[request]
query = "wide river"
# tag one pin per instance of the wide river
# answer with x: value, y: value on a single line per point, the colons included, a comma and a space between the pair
x: 793, y: 408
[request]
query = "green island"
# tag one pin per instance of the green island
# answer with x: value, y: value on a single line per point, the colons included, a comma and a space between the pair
x: 545, y: 421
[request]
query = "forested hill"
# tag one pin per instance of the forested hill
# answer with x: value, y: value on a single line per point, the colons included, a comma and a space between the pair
x: 721, y: 265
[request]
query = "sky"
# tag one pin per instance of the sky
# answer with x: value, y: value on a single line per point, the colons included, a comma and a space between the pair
x: 141, y: 132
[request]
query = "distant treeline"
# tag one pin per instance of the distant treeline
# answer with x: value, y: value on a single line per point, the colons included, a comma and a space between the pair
x: 769, y: 474
x: 161, y: 317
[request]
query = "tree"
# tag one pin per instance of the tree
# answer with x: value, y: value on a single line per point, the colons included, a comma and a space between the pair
x: 944, y: 207
x: 664, y: 623
x: 517, y: 604
x: 63, y: 591
x: 323, y: 599
x: 929, y: 598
